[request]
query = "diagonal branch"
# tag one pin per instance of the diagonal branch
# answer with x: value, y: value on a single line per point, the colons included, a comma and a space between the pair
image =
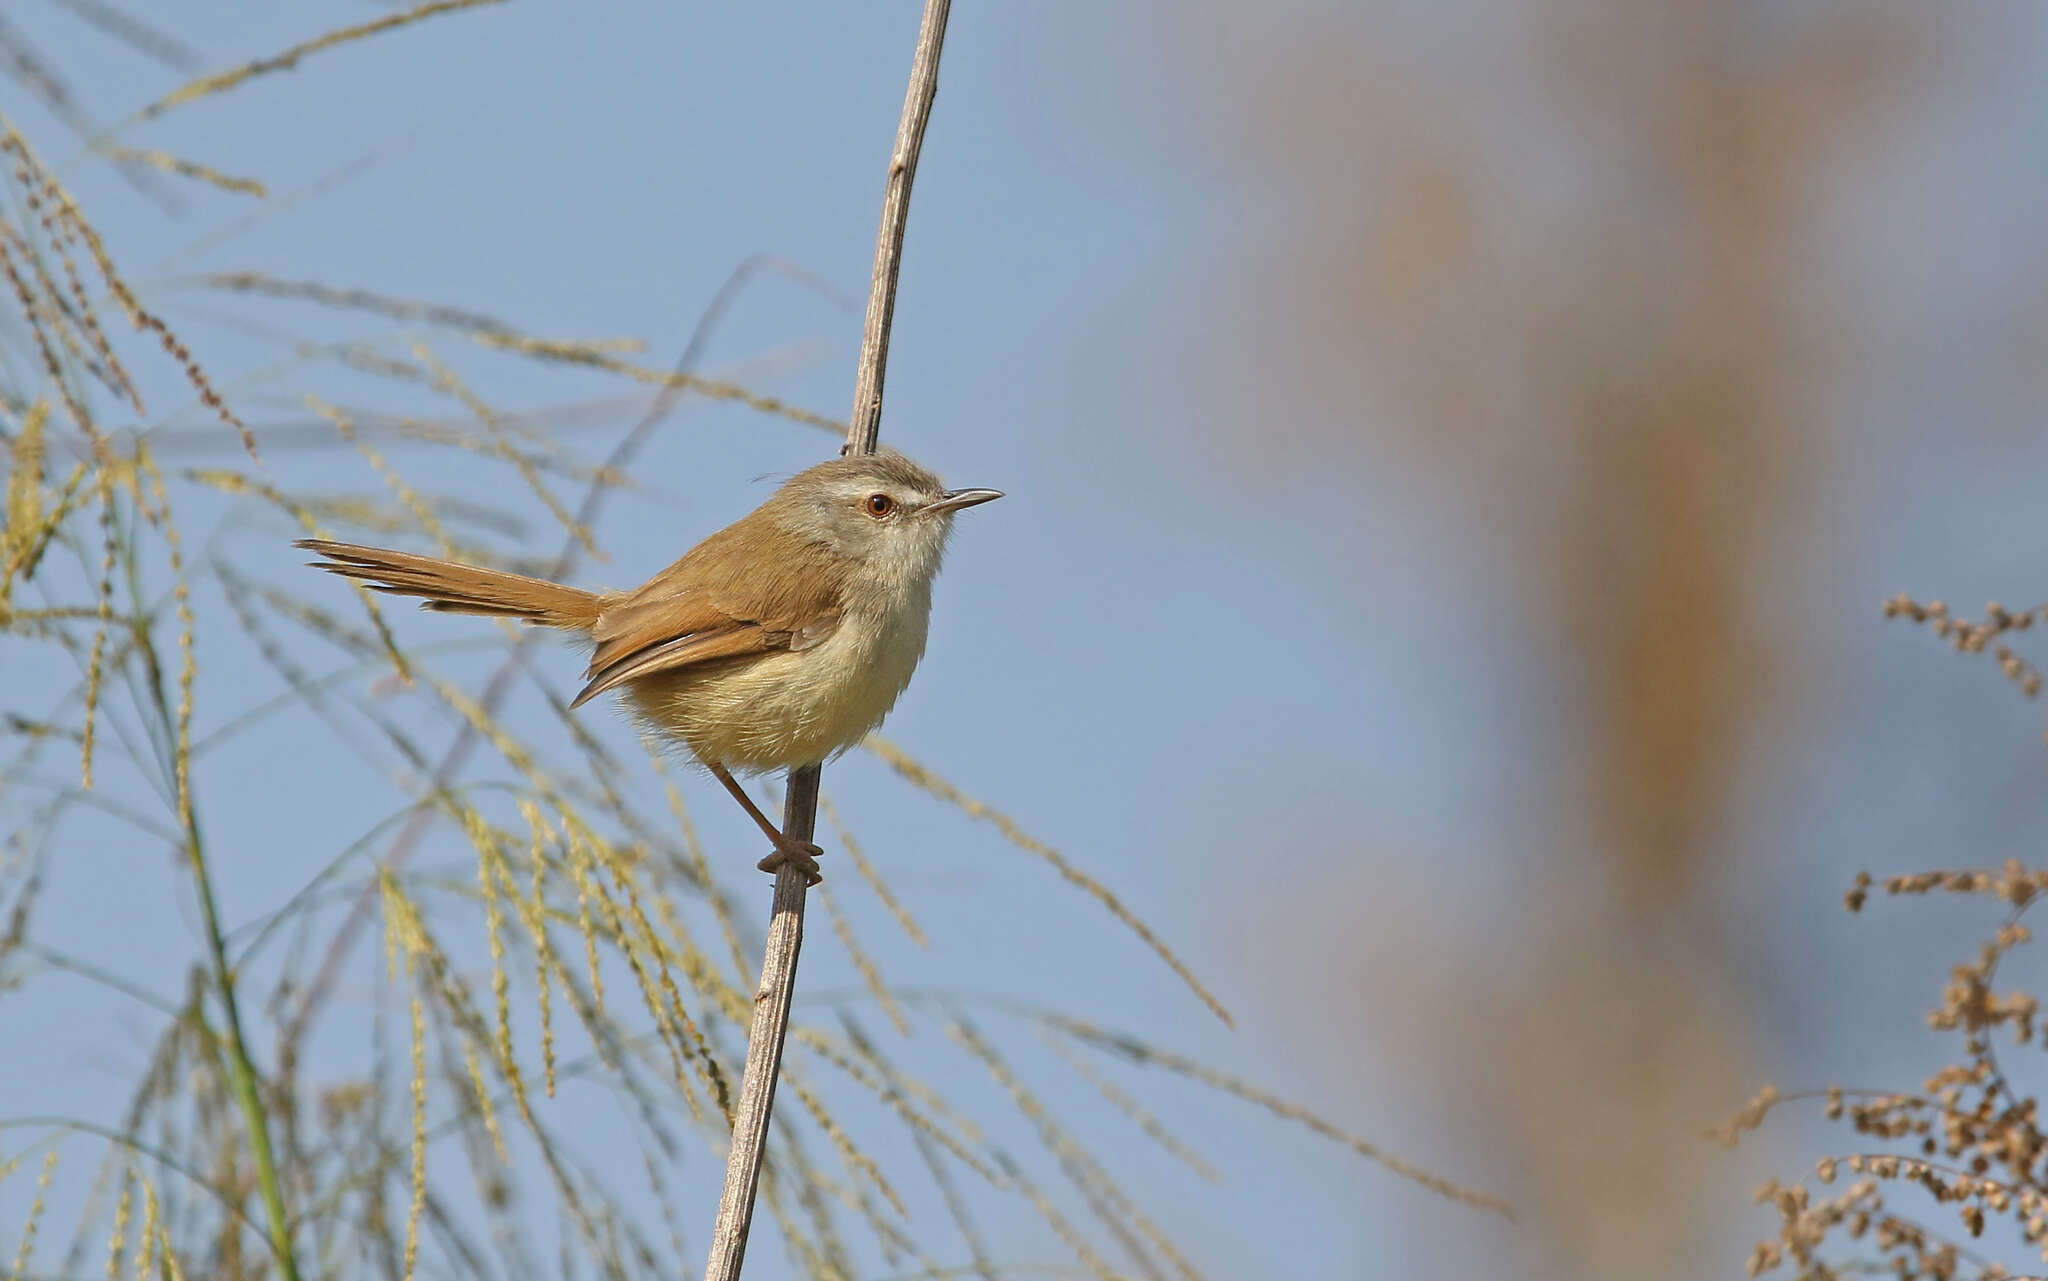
x: 786, y: 927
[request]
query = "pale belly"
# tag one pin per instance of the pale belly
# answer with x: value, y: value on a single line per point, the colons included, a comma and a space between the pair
x: 786, y: 709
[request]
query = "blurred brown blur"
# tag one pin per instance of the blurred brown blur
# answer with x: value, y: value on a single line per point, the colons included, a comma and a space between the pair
x: 1554, y: 263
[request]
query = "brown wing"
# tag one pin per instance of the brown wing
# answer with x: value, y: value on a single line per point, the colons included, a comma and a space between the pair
x: 750, y: 589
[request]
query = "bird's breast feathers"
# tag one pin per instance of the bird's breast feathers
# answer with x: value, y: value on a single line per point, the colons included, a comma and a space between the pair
x: 793, y: 707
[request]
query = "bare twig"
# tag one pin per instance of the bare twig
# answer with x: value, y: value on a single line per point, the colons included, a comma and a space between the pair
x: 865, y: 427
x: 786, y: 927
x: 764, y: 1044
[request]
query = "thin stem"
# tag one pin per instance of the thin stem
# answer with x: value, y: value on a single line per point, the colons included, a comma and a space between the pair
x: 770, y: 1024
x: 864, y: 429
x: 765, y: 1036
x: 241, y: 1068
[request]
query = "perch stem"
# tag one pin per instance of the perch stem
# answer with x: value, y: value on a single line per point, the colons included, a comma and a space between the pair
x: 770, y: 1024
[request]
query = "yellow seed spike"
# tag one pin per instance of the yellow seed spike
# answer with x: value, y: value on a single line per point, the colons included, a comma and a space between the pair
x: 485, y: 1108
x: 152, y: 1233
x: 95, y: 669
x: 35, y: 1215
x: 117, y: 1238
x: 419, y: 1134
x: 284, y: 60
x: 184, y: 168
x: 535, y: 911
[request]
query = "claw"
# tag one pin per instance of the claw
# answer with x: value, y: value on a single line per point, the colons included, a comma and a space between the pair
x: 801, y: 855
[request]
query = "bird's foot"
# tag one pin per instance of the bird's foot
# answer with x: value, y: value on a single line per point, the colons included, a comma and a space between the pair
x: 801, y: 855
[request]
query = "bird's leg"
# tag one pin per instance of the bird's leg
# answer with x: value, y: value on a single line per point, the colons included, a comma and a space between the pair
x: 802, y: 855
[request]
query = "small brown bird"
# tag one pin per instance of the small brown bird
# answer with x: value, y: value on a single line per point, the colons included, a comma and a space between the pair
x: 777, y: 642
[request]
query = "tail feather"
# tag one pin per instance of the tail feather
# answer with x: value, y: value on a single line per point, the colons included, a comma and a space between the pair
x: 456, y: 588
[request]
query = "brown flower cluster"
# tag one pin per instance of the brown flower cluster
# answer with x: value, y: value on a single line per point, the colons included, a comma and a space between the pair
x: 1968, y: 1142
x: 1966, y: 1150
x: 1975, y: 637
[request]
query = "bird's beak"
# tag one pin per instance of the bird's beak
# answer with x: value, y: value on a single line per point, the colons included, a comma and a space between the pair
x: 955, y: 499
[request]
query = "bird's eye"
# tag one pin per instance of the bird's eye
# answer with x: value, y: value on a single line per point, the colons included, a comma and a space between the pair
x: 880, y: 505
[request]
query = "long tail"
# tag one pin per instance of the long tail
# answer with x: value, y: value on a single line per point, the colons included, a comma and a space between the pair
x: 456, y: 588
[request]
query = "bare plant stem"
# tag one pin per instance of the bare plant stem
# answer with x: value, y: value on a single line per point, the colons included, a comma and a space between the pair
x: 770, y: 1024
x: 242, y: 1070
x: 865, y: 427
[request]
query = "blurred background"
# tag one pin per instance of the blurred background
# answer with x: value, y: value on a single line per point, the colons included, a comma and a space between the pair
x: 1456, y: 456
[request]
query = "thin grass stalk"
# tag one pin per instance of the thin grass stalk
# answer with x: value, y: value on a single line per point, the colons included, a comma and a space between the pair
x: 242, y: 1075
x: 770, y: 1024
x: 241, y: 1068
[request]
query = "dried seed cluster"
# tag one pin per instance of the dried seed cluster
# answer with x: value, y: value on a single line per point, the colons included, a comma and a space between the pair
x: 1976, y: 637
x: 1955, y: 1181
x: 1968, y: 1142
